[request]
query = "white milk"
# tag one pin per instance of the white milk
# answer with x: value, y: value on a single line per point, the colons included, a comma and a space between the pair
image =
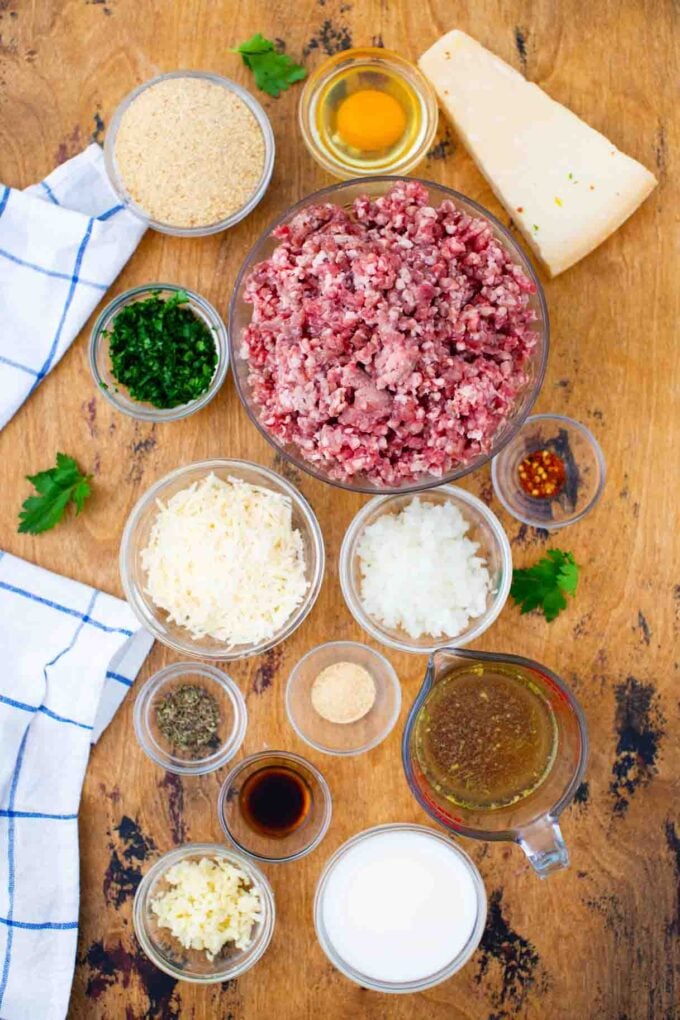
x: 399, y: 905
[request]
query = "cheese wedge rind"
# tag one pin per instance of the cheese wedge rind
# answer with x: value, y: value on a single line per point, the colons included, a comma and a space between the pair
x: 564, y: 184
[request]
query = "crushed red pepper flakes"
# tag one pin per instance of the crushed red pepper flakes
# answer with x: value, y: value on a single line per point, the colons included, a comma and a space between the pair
x: 542, y: 474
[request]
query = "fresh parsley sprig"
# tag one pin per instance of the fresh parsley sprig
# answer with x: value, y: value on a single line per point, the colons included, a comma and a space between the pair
x: 546, y: 585
x: 56, y: 488
x: 274, y: 72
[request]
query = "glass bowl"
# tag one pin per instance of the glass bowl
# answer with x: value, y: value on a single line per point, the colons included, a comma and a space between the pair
x: 584, y: 470
x: 204, y: 229
x: 416, y: 984
x: 136, y: 536
x: 485, y: 529
x: 230, y: 703
x: 192, y: 964
x: 344, y: 195
x: 351, y: 737
x: 274, y: 849
x: 368, y: 61
x: 100, y: 361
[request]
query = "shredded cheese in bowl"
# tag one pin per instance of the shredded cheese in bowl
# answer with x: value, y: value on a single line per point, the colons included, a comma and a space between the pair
x: 224, y: 560
x: 210, y: 903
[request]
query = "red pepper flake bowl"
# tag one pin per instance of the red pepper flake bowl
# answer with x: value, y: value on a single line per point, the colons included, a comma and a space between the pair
x: 574, y: 466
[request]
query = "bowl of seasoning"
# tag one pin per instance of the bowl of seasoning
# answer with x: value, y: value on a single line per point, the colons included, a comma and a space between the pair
x: 343, y: 698
x: 204, y: 914
x: 190, y: 718
x: 159, y: 352
x: 551, y: 473
x: 190, y: 153
x: 367, y: 111
x: 275, y: 806
x: 418, y: 572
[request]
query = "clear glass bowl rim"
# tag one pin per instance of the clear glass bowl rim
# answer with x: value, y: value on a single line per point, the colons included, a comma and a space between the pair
x: 326, y: 194
x: 599, y: 457
x: 152, y: 494
x: 385, y: 732
x: 173, y: 857
x: 353, y: 602
x: 420, y: 984
x: 201, y: 766
x: 297, y: 759
x: 255, y: 108
x: 322, y: 74
x: 158, y: 413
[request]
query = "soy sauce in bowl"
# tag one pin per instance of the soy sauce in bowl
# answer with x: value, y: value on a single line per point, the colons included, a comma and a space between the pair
x: 275, y: 800
x: 275, y: 806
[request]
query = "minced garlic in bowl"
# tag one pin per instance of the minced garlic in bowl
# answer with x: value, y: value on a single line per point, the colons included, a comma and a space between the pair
x: 203, y: 913
x: 208, y: 904
x: 190, y: 152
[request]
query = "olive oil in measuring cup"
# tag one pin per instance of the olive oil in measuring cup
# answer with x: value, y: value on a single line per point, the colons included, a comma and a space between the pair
x: 486, y: 737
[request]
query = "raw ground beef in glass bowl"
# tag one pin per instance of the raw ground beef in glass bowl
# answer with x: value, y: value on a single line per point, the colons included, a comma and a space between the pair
x: 388, y: 335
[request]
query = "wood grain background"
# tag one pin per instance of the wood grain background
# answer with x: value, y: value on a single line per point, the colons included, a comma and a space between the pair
x: 600, y: 940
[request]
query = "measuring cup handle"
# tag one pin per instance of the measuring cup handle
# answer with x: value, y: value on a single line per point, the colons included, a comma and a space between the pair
x: 543, y: 844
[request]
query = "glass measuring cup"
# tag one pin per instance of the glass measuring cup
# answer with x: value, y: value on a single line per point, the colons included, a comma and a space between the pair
x: 531, y: 821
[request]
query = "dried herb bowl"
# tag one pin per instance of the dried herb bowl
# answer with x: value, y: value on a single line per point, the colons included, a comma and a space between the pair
x: 100, y: 357
x: 222, y: 697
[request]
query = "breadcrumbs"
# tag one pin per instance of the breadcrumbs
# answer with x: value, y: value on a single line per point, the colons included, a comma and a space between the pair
x: 189, y: 152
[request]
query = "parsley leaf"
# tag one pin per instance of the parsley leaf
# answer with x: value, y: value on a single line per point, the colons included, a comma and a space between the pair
x: 56, y: 488
x: 274, y: 72
x: 545, y: 585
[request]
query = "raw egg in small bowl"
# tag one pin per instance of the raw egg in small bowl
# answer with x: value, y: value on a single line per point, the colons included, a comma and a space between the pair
x: 368, y: 111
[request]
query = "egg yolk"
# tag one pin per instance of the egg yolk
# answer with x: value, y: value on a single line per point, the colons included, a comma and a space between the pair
x: 369, y: 119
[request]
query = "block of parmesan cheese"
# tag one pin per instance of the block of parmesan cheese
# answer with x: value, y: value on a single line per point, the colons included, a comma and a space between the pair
x: 565, y: 185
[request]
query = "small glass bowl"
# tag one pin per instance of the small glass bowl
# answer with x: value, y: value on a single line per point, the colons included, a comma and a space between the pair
x: 192, y: 964
x: 231, y: 705
x: 100, y: 361
x: 370, y: 60
x: 415, y: 985
x: 204, y: 229
x: 136, y: 536
x: 485, y: 529
x: 267, y: 848
x: 583, y: 462
x: 343, y: 738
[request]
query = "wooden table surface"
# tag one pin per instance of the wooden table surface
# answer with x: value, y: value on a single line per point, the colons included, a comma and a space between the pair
x: 601, y: 939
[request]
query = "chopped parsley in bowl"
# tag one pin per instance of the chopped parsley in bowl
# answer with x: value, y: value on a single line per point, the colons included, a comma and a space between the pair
x: 159, y: 352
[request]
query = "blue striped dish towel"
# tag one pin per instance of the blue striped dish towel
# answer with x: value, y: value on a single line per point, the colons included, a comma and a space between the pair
x: 69, y: 655
x: 62, y: 244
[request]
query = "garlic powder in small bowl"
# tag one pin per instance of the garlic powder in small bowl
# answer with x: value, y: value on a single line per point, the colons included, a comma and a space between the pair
x: 189, y: 152
x: 343, y: 698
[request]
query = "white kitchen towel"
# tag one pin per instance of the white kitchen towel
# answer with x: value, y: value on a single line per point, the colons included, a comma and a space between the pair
x: 62, y: 243
x: 69, y: 654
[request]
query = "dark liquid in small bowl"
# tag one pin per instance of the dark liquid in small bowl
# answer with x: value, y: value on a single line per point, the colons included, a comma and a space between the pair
x: 275, y: 800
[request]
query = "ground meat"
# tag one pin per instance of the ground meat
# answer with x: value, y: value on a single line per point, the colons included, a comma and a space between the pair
x: 390, y: 343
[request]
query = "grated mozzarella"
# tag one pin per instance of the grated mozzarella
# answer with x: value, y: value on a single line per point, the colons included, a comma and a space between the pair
x: 421, y: 573
x: 224, y: 561
x: 209, y: 903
